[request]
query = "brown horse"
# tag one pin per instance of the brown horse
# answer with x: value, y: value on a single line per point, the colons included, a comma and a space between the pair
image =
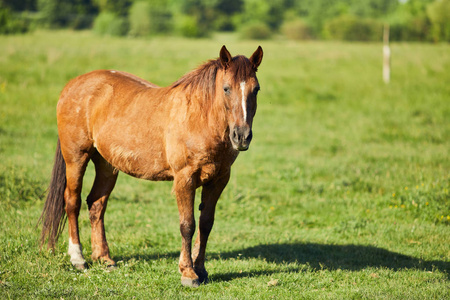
x: 190, y: 132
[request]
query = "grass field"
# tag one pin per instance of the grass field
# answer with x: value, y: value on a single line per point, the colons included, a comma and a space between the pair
x: 344, y: 192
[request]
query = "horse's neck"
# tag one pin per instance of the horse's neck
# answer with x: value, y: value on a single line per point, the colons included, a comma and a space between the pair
x: 199, y: 114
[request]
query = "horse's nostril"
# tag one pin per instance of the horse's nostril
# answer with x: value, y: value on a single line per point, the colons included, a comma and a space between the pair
x: 235, y: 135
x: 249, y: 136
x: 241, y: 137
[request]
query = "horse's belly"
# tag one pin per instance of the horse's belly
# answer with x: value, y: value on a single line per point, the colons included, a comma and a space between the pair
x: 148, y: 170
x: 140, y: 162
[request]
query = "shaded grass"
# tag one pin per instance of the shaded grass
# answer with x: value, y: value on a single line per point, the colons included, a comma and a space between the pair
x: 343, y: 194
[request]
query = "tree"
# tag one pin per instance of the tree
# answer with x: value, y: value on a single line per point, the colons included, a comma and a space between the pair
x: 373, y: 8
x: 226, y: 10
x: 10, y: 24
x: 150, y: 17
x: 439, y: 14
x: 118, y: 7
x: 19, y: 5
x: 64, y: 13
x: 262, y: 11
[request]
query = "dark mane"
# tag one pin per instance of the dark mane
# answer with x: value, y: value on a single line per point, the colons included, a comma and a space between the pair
x: 203, y: 79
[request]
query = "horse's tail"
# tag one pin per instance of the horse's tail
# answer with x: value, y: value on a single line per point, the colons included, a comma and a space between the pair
x: 53, y: 217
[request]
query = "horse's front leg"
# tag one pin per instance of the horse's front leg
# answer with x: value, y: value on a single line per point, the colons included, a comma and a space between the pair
x: 210, y: 195
x: 184, y: 188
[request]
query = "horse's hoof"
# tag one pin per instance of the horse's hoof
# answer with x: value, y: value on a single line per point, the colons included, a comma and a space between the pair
x: 203, y: 277
x: 204, y: 280
x: 189, y: 282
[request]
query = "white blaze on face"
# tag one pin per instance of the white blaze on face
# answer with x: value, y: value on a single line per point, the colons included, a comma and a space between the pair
x: 244, y: 105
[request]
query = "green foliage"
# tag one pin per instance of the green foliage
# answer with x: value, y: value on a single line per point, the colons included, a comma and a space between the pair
x: 267, y: 12
x: 296, y: 30
x: 344, y: 192
x: 415, y: 7
x: 200, y: 12
x: 351, y: 28
x: 256, y: 31
x: 107, y: 23
x: 439, y: 14
x: 224, y: 22
x: 11, y: 23
x: 76, y: 14
x: 372, y: 8
x: 412, y: 20
x: 118, y: 7
x: 19, y: 5
x: 53, y: 13
x: 409, y: 22
x: 148, y: 18
x: 318, y: 12
x: 227, y: 10
x: 410, y: 29
x: 139, y: 18
x: 187, y: 26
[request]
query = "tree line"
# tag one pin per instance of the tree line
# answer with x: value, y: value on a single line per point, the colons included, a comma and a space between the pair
x: 354, y: 20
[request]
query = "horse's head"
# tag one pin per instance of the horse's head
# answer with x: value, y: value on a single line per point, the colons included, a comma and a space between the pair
x: 239, y: 89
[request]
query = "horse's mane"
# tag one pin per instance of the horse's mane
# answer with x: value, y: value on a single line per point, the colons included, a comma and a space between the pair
x: 201, y: 82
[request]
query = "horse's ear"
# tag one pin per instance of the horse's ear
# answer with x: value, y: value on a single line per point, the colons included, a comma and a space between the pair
x: 256, y: 58
x: 225, y: 57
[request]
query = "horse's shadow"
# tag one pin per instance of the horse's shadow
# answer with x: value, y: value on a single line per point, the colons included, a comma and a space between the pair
x: 312, y: 256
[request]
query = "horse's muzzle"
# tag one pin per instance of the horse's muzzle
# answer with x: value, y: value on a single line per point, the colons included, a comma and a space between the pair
x: 241, y: 137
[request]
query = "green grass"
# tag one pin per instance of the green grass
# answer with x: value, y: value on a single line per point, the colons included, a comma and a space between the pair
x: 344, y: 192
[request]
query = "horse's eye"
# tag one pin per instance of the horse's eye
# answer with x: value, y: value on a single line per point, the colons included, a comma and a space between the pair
x: 256, y: 90
x: 227, y: 89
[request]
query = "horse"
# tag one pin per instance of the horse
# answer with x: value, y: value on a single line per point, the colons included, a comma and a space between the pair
x: 190, y: 133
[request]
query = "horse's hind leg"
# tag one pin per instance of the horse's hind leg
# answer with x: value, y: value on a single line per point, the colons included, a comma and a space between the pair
x: 105, y: 179
x: 75, y: 168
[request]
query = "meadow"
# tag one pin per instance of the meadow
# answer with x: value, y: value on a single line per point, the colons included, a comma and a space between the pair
x: 343, y: 194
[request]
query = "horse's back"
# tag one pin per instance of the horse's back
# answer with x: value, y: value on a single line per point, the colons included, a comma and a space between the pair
x: 132, y: 77
x: 89, y: 83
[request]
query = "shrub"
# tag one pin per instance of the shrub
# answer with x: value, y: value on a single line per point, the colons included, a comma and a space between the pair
x: 224, y: 22
x: 412, y: 29
x: 351, y: 28
x: 11, y: 23
x: 149, y: 18
x: 108, y: 23
x: 139, y: 19
x: 439, y: 14
x: 256, y: 31
x: 78, y: 14
x: 188, y: 26
x: 82, y: 21
x: 296, y: 30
